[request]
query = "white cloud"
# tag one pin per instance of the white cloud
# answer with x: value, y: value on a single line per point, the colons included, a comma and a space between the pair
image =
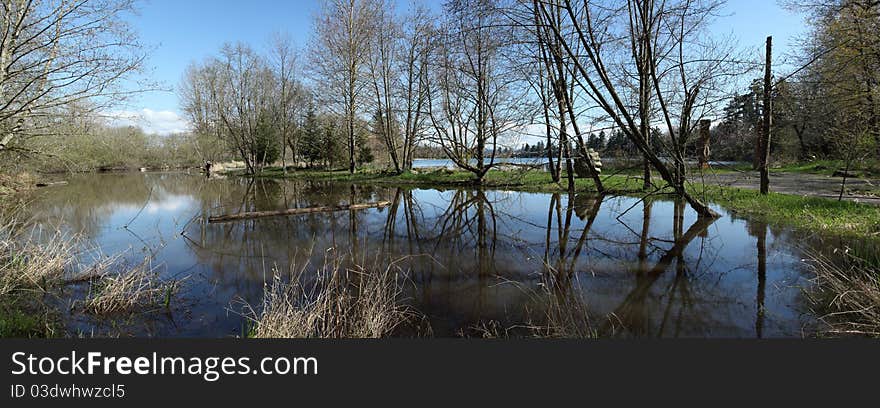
x: 158, y: 122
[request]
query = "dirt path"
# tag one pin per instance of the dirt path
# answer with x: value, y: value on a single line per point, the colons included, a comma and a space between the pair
x: 801, y: 184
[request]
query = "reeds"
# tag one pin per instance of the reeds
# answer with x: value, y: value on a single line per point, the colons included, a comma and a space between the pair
x: 31, y: 262
x: 847, y: 294
x: 340, y: 302
x: 557, y: 310
x: 36, y: 265
x: 129, y: 290
x: 567, y: 314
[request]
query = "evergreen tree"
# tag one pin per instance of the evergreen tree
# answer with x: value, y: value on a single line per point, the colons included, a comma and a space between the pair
x: 331, y: 149
x: 267, y: 148
x: 593, y: 142
x: 364, y: 151
x: 310, y: 143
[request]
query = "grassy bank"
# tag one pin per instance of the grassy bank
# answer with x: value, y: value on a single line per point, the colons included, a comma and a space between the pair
x: 844, y: 218
x: 867, y: 168
x: 515, y: 180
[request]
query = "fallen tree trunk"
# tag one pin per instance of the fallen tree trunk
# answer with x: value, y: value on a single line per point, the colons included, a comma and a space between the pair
x: 50, y: 183
x: 295, y: 211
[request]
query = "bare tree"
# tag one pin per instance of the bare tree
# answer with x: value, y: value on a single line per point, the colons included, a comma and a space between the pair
x: 398, y: 73
x: 291, y: 95
x: 840, y: 64
x: 194, y: 92
x: 382, y: 64
x: 234, y: 95
x: 676, y: 66
x: 59, y: 52
x: 642, y: 29
x: 339, y: 53
x: 415, y: 44
x: 474, y: 98
x: 561, y: 84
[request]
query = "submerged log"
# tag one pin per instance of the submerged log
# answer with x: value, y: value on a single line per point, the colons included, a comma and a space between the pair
x: 50, y: 183
x: 295, y: 211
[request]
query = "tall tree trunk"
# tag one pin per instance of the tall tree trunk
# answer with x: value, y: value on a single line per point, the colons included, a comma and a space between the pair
x: 351, y: 152
x: 767, y: 122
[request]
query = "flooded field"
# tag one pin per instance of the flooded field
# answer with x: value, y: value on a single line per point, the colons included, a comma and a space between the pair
x: 472, y: 259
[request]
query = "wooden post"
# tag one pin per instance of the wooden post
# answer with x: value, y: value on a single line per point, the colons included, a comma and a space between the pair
x: 768, y: 121
x: 705, y: 127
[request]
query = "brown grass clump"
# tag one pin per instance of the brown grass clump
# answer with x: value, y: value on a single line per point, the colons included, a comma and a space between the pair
x: 31, y: 263
x: 136, y: 289
x: 35, y: 266
x: 343, y: 302
x: 567, y: 316
x: 15, y: 183
x: 558, y: 311
x: 847, y: 295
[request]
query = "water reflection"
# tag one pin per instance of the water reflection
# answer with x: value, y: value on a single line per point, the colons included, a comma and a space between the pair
x: 640, y: 268
x: 759, y: 231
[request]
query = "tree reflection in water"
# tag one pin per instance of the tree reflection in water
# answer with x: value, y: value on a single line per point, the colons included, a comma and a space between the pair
x: 471, y: 256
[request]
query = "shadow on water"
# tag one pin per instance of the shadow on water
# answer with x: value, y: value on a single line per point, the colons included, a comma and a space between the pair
x: 639, y: 268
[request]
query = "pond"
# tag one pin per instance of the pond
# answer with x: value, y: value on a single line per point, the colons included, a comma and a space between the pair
x: 473, y: 258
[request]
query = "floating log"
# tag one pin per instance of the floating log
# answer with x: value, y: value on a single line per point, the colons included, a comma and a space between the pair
x: 50, y: 183
x: 295, y: 211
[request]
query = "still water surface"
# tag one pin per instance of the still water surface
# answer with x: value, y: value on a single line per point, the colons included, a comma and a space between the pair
x: 472, y: 257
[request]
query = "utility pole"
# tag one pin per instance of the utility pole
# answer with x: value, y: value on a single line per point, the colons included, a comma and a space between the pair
x: 768, y: 121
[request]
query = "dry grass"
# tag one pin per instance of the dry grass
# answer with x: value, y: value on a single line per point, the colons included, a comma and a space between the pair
x: 557, y: 310
x: 130, y: 290
x: 37, y: 264
x: 11, y: 184
x: 343, y: 302
x: 31, y: 262
x: 567, y: 315
x: 848, y: 295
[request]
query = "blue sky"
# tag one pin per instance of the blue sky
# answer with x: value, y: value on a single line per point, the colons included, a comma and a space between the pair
x: 183, y: 31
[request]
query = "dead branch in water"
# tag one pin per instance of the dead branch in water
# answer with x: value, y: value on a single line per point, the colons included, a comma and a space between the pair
x: 295, y: 211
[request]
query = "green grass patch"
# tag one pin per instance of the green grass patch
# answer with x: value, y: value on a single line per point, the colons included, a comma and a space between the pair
x: 845, y: 218
x: 20, y: 318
